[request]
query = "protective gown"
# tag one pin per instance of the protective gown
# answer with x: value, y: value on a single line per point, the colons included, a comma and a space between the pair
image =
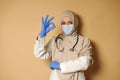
x: 72, y: 63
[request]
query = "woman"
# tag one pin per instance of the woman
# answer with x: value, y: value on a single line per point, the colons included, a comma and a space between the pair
x: 70, y: 52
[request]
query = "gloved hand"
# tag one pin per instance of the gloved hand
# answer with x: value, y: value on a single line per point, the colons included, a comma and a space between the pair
x: 55, y: 65
x: 47, y: 26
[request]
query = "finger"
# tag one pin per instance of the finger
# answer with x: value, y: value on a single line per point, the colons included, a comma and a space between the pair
x: 46, y: 18
x: 48, y: 29
x: 52, y: 68
x: 50, y: 19
x: 51, y: 26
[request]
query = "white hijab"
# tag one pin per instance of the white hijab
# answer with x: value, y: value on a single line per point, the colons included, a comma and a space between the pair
x: 73, y: 17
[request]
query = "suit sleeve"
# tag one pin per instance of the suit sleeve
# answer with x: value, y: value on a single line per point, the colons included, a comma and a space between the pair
x: 82, y: 62
x: 41, y: 50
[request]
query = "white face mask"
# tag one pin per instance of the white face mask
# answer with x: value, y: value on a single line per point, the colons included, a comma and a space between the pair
x: 67, y: 29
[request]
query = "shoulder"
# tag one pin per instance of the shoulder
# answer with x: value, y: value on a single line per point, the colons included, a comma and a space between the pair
x: 84, y: 39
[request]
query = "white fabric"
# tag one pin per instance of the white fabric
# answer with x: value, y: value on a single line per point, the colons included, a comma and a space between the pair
x: 42, y: 52
x: 54, y: 75
x: 79, y: 64
x: 67, y: 28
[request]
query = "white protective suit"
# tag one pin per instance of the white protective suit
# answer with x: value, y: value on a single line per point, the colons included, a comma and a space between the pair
x: 73, y: 67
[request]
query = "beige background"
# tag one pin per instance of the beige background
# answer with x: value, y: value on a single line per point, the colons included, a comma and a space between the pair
x: 20, y: 22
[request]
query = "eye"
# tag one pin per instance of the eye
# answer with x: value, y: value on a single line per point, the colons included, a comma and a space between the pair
x: 62, y: 23
x: 70, y: 22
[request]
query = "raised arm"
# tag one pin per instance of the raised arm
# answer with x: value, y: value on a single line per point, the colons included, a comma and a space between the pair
x: 41, y: 50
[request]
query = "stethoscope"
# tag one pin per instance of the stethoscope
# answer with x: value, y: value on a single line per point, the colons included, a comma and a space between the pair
x: 71, y: 49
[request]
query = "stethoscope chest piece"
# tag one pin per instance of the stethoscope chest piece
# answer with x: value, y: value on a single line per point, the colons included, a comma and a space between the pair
x: 72, y: 49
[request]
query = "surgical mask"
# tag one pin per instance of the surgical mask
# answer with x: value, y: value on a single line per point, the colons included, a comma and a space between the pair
x: 67, y: 29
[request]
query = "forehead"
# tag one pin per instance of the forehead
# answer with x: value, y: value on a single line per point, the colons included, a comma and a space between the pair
x: 67, y: 18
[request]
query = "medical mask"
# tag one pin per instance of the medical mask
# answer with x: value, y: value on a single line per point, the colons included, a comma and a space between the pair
x: 67, y: 29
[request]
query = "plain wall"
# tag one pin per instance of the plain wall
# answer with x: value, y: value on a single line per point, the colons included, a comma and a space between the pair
x: 20, y: 23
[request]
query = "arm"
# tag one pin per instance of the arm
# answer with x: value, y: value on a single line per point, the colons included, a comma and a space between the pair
x: 40, y: 51
x: 81, y: 63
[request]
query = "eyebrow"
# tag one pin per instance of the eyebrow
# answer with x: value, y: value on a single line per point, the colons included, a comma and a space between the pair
x: 70, y: 21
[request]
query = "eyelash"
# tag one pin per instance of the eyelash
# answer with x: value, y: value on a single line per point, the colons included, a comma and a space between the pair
x: 64, y: 23
x: 70, y: 22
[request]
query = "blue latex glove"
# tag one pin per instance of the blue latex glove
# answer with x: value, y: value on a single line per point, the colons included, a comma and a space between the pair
x: 47, y: 26
x: 55, y: 65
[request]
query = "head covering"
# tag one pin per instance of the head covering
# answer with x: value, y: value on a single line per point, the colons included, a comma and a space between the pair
x: 73, y: 16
